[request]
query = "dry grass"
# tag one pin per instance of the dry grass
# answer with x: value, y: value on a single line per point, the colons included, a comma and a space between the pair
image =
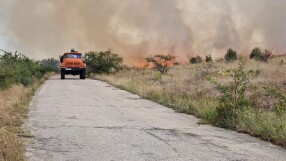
x: 186, y: 89
x: 14, y: 105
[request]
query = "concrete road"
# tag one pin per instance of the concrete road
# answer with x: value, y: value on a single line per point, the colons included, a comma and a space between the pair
x: 88, y: 120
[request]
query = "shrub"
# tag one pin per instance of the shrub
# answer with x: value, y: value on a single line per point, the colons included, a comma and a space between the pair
x: 196, y: 60
x: 103, y: 62
x: 233, y: 98
x: 266, y: 55
x: 19, y: 69
x: 258, y: 55
x: 209, y: 59
x: 231, y: 55
x: 51, y: 64
x: 161, y: 62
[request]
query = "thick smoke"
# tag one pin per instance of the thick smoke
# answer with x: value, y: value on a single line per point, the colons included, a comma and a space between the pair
x: 138, y: 28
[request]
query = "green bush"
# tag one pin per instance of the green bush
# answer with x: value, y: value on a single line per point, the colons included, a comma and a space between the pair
x: 196, y: 60
x: 103, y: 62
x: 258, y: 55
x: 233, y: 98
x: 19, y: 69
x: 231, y: 55
x: 51, y: 64
x: 209, y: 59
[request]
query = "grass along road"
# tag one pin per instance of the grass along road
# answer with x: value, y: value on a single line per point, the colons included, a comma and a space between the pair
x: 186, y: 89
x: 14, y: 107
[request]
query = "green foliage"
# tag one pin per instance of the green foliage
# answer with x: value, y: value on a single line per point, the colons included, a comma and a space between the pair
x: 231, y: 55
x: 265, y: 124
x: 103, y: 62
x: 233, y: 98
x: 19, y: 69
x: 280, y: 99
x: 196, y: 60
x: 161, y: 62
x: 51, y: 64
x: 258, y: 55
x: 209, y: 59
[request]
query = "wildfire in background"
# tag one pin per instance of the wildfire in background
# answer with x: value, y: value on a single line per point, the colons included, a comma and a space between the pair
x: 136, y: 29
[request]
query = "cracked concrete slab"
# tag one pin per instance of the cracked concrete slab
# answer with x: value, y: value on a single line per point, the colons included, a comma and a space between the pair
x: 76, y: 120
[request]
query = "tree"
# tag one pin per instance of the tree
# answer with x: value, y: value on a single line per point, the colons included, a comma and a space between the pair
x: 196, y: 60
x: 161, y: 62
x: 231, y: 55
x: 103, y: 62
x: 209, y: 59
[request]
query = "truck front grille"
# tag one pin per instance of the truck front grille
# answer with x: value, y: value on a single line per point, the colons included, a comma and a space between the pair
x: 73, y: 65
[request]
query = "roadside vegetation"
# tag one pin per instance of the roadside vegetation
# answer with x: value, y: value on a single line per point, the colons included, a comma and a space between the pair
x: 238, y: 93
x: 103, y: 62
x: 161, y: 62
x: 19, y: 78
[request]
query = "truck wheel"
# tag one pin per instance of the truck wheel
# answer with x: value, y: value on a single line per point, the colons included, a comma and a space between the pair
x: 62, y: 75
x: 82, y: 75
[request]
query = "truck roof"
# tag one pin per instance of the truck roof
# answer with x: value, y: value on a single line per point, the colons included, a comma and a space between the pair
x: 73, y: 53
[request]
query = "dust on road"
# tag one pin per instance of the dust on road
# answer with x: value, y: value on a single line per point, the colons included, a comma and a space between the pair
x: 88, y: 120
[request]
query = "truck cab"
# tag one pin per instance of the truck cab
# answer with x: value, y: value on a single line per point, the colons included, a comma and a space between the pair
x: 72, y: 63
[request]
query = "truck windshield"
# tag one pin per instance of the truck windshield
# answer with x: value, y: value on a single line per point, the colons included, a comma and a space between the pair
x: 72, y: 55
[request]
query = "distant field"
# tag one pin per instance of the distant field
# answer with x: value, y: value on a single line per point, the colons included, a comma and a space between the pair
x: 187, y: 89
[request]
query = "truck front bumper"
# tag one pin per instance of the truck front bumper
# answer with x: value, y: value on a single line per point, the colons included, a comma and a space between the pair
x: 73, y: 71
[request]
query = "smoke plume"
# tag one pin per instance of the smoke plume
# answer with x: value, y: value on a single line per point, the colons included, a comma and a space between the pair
x: 139, y: 28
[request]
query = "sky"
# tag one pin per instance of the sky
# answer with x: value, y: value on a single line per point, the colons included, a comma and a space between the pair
x: 136, y: 29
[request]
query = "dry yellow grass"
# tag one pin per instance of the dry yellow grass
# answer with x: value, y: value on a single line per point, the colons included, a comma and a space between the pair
x: 14, y: 105
x: 186, y: 89
x: 12, y: 110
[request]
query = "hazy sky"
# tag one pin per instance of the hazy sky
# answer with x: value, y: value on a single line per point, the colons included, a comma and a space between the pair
x: 137, y: 28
